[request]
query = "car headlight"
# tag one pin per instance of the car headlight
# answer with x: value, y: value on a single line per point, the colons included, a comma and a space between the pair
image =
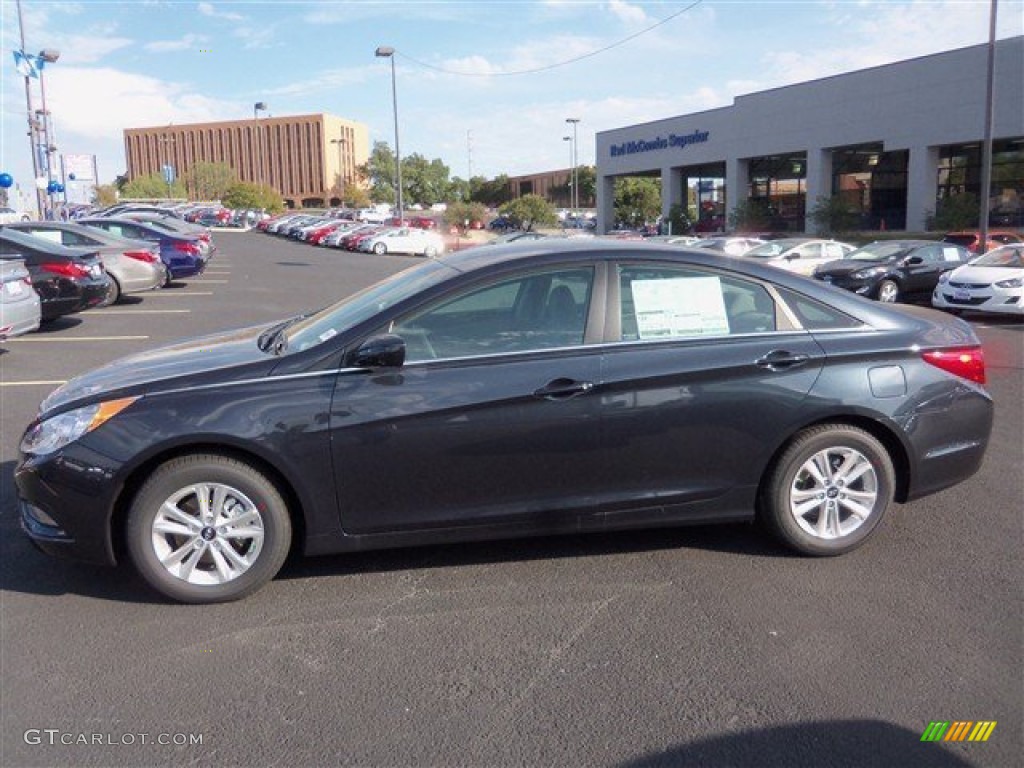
x: 864, y: 274
x: 1013, y: 282
x: 54, y: 433
x: 944, y: 277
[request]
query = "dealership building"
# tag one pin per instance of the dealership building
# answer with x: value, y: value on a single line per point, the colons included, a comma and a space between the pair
x: 892, y: 141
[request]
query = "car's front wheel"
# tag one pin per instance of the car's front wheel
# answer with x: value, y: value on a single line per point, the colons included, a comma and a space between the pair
x: 888, y: 291
x: 829, y: 490
x: 206, y: 529
x: 380, y: 249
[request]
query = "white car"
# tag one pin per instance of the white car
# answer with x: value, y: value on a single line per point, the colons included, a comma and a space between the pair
x: 9, y: 216
x: 404, y: 240
x: 799, y: 254
x: 989, y: 283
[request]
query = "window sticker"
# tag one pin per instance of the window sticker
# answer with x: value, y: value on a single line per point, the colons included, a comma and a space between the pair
x: 951, y: 254
x: 680, y: 306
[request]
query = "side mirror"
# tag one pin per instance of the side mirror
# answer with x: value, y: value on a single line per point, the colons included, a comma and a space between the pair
x: 793, y: 257
x: 387, y: 351
x: 914, y: 260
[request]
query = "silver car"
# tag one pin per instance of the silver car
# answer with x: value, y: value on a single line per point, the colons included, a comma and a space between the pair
x: 19, y: 303
x: 133, y: 265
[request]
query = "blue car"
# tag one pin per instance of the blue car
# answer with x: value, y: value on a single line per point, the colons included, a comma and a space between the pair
x: 181, y: 254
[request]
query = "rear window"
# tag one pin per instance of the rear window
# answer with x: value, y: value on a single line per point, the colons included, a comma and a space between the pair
x: 813, y: 315
x: 959, y: 239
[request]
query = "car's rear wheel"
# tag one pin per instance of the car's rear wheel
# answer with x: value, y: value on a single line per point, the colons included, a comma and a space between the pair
x: 208, y: 529
x: 430, y: 251
x: 114, y: 294
x: 888, y: 291
x: 828, y: 490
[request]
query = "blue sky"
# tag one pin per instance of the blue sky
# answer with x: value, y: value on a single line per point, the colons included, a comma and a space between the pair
x: 155, y: 62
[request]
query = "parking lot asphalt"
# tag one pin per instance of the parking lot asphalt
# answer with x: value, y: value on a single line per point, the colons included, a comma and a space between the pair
x: 691, y: 647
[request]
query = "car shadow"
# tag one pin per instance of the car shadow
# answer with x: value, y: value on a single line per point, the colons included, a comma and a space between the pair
x: 835, y: 743
x: 58, y: 324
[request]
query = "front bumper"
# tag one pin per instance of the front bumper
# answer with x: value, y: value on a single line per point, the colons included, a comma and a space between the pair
x: 988, y: 299
x: 66, y: 501
x: 868, y: 287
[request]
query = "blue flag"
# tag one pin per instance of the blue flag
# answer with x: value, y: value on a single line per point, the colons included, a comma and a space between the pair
x: 27, y: 64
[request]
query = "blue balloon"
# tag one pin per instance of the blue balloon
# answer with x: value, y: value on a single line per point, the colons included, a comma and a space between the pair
x: 6, y: 180
x: 51, y: 187
x: 60, y: 188
x: 71, y: 176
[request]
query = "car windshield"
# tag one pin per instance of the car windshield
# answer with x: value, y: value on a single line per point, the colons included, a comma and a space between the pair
x: 878, y: 251
x: 1001, y: 257
x: 772, y: 248
x: 361, y: 306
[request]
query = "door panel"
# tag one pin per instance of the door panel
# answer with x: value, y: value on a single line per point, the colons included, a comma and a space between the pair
x: 465, y: 443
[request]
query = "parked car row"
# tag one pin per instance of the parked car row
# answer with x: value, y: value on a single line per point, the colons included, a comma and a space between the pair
x: 55, y: 268
x: 332, y: 231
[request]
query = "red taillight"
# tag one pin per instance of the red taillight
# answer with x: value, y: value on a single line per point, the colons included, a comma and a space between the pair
x: 65, y: 269
x: 186, y: 247
x: 965, y: 362
x: 145, y: 256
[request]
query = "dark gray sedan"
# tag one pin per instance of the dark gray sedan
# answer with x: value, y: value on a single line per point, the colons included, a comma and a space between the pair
x: 551, y: 387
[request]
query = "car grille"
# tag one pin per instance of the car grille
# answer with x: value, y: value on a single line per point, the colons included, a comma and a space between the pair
x: 967, y: 285
x: 972, y: 302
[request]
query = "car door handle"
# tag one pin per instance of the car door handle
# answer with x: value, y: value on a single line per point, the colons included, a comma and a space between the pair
x: 780, y: 360
x: 563, y: 389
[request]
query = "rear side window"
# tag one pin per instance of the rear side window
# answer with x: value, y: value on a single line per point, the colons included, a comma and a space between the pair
x: 813, y: 315
x: 964, y: 240
x: 659, y: 302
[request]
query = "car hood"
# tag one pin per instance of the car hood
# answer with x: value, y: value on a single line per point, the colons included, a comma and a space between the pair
x: 849, y: 266
x: 974, y: 274
x: 227, y: 356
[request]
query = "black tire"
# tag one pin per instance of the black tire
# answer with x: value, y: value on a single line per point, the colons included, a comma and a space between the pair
x: 833, y: 444
x: 889, y: 291
x: 380, y: 249
x: 114, y: 295
x: 245, y: 485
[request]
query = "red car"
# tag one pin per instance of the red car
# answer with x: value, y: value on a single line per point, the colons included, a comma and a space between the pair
x: 421, y: 222
x: 971, y: 239
x: 317, y: 235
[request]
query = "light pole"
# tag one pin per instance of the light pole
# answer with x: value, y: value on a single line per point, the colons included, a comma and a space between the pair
x: 341, y: 170
x: 258, y: 107
x: 569, y: 182
x: 47, y: 56
x: 387, y: 52
x: 33, y: 126
x: 575, y: 164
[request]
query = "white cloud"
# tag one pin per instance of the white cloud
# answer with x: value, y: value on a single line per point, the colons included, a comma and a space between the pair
x: 255, y: 37
x: 630, y: 14
x: 329, y: 80
x: 185, y: 43
x: 207, y: 9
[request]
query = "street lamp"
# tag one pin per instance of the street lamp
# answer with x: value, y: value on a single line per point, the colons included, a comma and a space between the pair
x: 258, y: 107
x: 569, y: 182
x: 575, y: 164
x: 47, y: 56
x: 341, y: 170
x: 387, y: 52
x: 168, y: 168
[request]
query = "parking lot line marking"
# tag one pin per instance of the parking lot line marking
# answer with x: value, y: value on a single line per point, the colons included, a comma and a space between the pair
x: 212, y: 272
x: 140, y: 312
x: 54, y: 383
x: 179, y: 293
x: 204, y: 280
x: 75, y: 338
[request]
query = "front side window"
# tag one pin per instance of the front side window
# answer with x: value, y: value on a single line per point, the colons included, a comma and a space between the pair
x: 659, y: 303
x: 535, y: 311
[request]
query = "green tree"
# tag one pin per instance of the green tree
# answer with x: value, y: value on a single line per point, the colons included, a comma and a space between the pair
x: 379, y: 173
x: 458, y: 213
x: 834, y: 215
x: 152, y: 186
x: 751, y: 215
x: 637, y: 200
x: 424, y: 182
x: 586, y: 176
x: 956, y: 212
x: 458, y: 190
x: 678, y: 220
x: 210, y: 181
x: 356, y: 196
x: 247, y: 195
x: 493, y: 192
x: 530, y: 211
x: 104, y: 195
